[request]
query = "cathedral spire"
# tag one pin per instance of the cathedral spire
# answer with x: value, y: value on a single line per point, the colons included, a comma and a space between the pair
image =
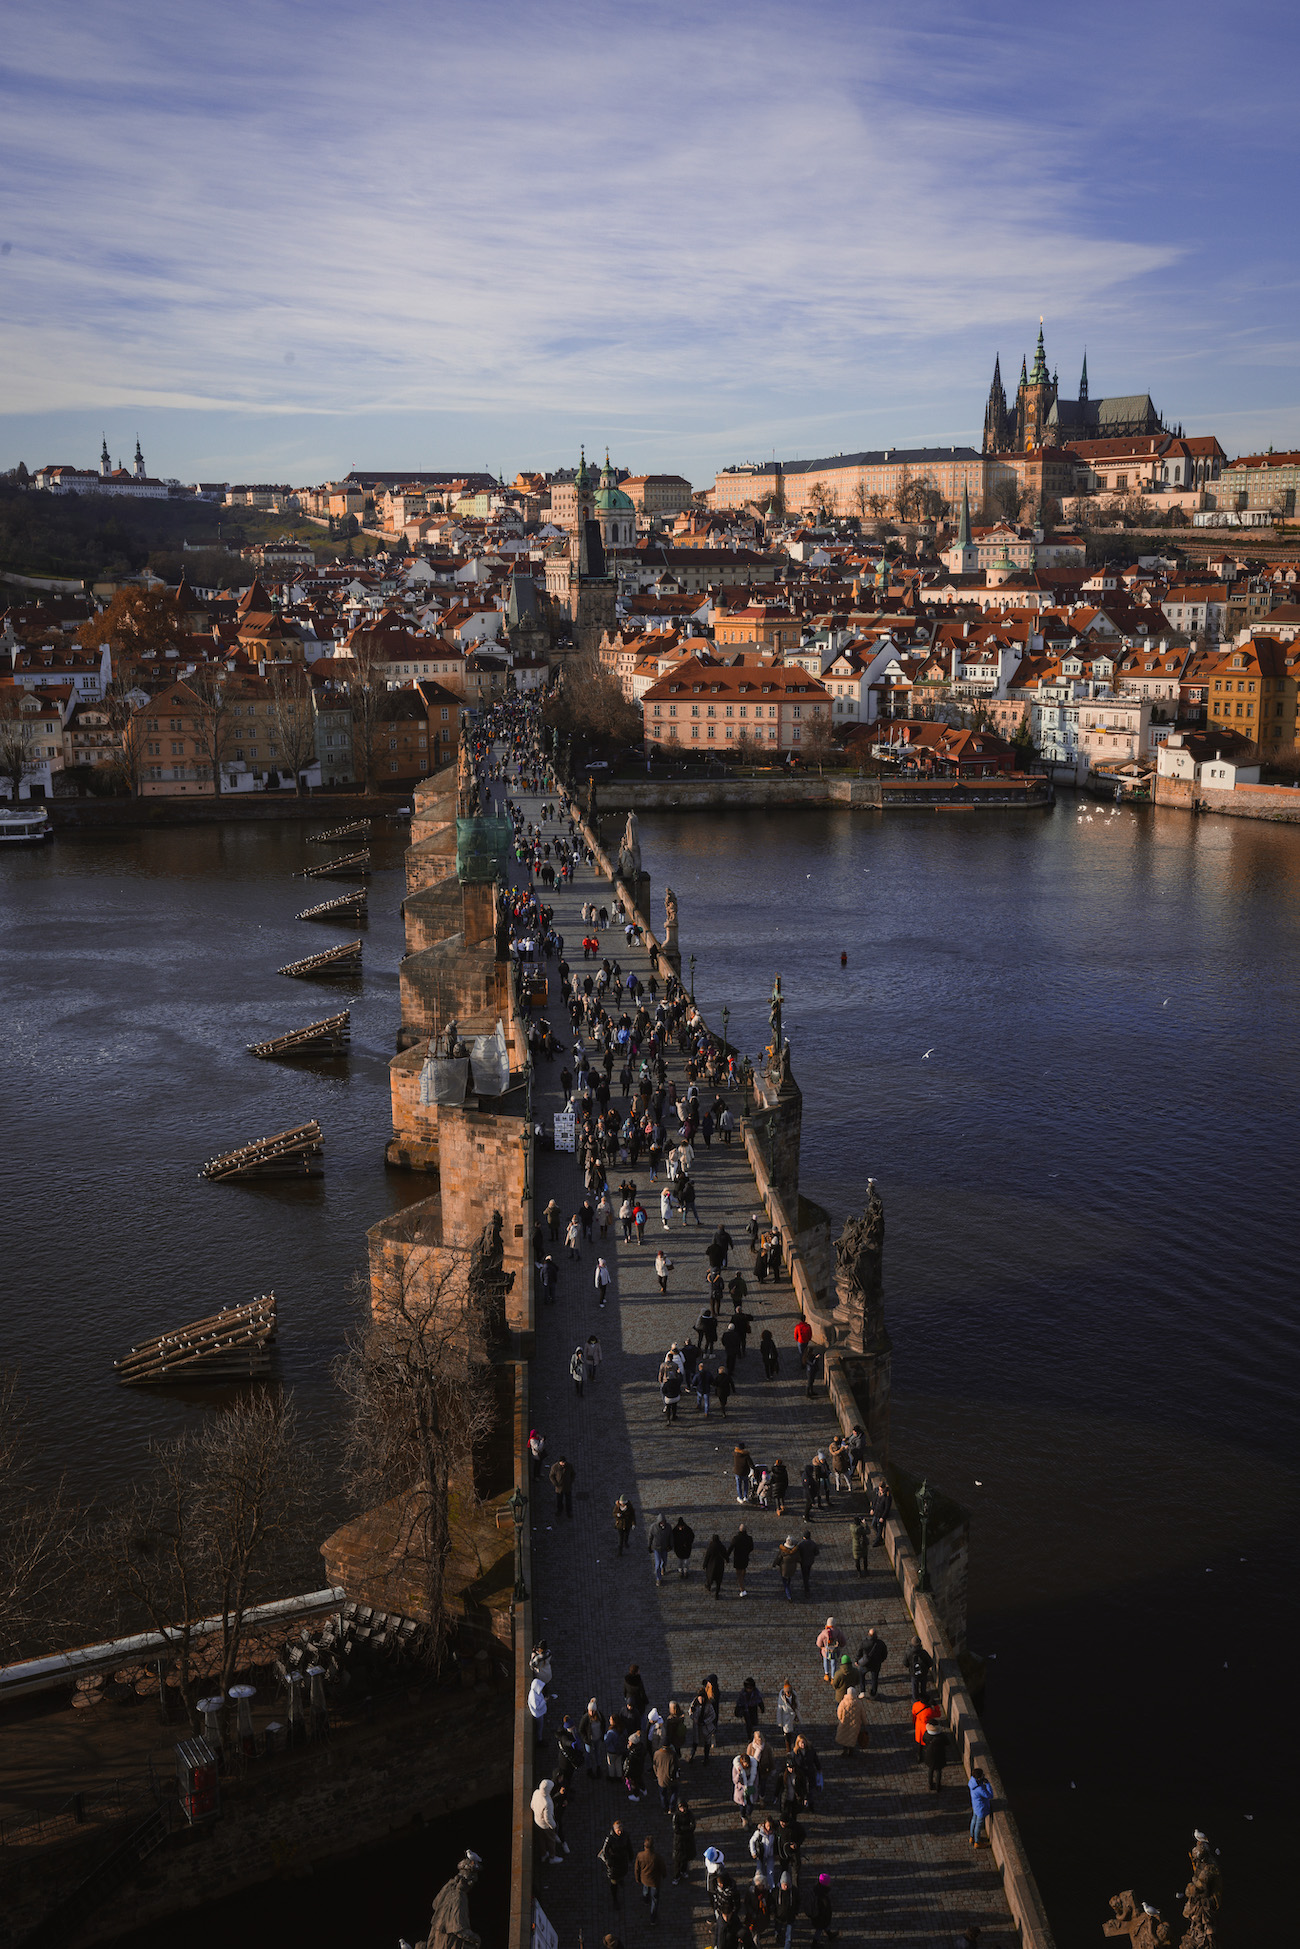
x: 105, y: 464
x: 1083, y: 382
x: 963, y: 521
x: 1039, y: 376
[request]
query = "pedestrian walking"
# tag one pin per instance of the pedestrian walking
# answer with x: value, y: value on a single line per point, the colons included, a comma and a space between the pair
x: 552, y: 1217
x: 715, y: 1562
x: 723, y: 1389
x: 767, y: 1353
x: 749, y: 1706
x: 851, y: 1730
x: 591, y: 1731
x: 660, y: 1542
x: 586, y: 1215
x: 578, y: 1370
x: 786, y: 1561
x: 604, y: 1212
x: 740, y: 1551
x: 639, y: 1220
x: 821, y: 1913
x: 744, y: 1784
x: 592, y: 1355
x: 808, y: 1555
x: 571, y: 1237
x: 703, y: 1388
x: 934, y: 1752
x: 665, y: 1771
x: 625, y: 1211
x: 830, y: 1643
x: 543, y: 1806
x: 872, y: 1653
x: 780, y: 1484
x: 601, y: 1281
x: 860, y: 1544
x: 683, y: 1544
x: 537, y: 1701
x: 616, y: 1854
x: 624, y: 1521
x: 537, y: 1449
x: 663, y: 1266
x: 919, y: 1666
x: 802, y: 1337
x: 683, y: 1840
x: 704, y: 1722
x: 787, y: 1713
x: 562, y: 1474
x: 813, y: 1359
x: 651, y: 1874
x: 743, y: 1468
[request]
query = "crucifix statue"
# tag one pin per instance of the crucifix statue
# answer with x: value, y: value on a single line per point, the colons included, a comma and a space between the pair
x: 774, y: 1017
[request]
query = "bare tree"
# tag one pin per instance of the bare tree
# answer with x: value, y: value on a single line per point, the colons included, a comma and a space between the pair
x: 818, y: 741
x: 878, y: 504
x: 418, y: 1402
x: 365, y: 681
x: 209, y: 686
x: 208, y: 1531
x: 293, y: 721
x: 36, y: 1535
x: 819, y: 498
x: 1006, y: 499
x: 17, y: 739
x: 126, y: 722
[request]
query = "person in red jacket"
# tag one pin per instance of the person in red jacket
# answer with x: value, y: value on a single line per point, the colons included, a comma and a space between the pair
x: 802, y: 1338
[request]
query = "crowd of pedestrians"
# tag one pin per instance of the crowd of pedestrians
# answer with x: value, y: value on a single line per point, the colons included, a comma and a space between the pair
x: 636, y: 1122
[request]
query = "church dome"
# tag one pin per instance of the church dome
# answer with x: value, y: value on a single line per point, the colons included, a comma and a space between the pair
x: 609, y: 497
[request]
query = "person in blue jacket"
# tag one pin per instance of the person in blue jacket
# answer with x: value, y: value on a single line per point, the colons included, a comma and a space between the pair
x: 981, y: 1806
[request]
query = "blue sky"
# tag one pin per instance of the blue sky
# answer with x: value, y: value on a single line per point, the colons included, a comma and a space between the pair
x: 282, y: 240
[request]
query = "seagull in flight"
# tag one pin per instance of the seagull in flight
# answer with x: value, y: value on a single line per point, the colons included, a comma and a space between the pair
x: 926, y: 1057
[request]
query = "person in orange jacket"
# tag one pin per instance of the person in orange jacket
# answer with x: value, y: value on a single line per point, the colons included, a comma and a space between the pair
x: 922, y: 1713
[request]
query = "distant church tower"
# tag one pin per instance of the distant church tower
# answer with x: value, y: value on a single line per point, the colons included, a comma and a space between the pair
x: 139, y: 459
x: 996, y: 431
x: 1034, y: 400
x: 105, y: 464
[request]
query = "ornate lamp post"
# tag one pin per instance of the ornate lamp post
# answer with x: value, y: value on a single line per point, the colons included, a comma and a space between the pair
x: 692, y: 977
x: 518, y: 1510
x: 726, y: 1017
x: 924, y: 1504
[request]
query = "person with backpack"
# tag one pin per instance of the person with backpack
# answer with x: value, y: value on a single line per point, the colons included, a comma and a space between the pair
x: 872, y: 1653
x: 683, y: 1544
x: 578, y: 1370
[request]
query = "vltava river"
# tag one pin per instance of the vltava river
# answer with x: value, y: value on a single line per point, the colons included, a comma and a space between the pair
x: 1089, y: 1187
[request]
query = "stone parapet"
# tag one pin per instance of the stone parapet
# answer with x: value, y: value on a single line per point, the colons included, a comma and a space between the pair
x: 1023, y: 1898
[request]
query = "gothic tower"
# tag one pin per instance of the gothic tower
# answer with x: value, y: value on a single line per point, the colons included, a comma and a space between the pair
x: 1034, y: 400
x: 995, y: 413
x: 139, y: 459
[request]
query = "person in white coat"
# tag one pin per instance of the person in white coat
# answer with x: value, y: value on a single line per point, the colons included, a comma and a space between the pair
x: 543, y: 1805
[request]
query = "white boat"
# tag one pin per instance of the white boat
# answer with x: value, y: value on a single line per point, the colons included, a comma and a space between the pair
x: 24, y: 825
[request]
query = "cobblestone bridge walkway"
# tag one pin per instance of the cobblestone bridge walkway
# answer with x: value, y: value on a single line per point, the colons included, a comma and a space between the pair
x: 901, y: 1866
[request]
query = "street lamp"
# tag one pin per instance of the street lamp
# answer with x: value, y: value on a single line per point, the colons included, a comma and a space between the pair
x: 726, y: 1017
x: 692, y: 977
x: 924, y: 1504
x: 518, y: 1510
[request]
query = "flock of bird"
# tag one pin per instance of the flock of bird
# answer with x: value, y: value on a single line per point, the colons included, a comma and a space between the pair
x: 1086, y: 818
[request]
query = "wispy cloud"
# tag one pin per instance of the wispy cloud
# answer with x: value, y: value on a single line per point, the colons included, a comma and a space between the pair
x: 743, y: 218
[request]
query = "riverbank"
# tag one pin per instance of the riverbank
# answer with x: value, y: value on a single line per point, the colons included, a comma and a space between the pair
x: 322, y: 808
x: 700, y: 794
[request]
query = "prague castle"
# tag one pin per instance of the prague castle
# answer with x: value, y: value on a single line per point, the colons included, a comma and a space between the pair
x: 1041, y: 418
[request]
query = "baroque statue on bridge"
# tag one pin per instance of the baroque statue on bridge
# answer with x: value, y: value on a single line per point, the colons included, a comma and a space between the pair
x: 629, y: 853
x: 859, y: 1280
x: 449, y: 1926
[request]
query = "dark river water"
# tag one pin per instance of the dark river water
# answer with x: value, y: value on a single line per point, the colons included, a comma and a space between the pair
x: 1089, y: 1187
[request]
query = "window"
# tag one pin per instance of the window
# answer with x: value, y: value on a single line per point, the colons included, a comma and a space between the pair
x: 392, y: 764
